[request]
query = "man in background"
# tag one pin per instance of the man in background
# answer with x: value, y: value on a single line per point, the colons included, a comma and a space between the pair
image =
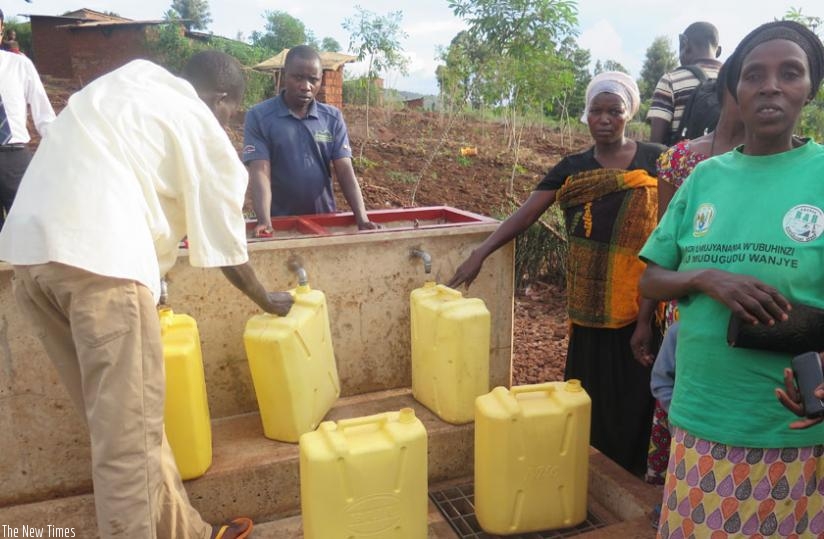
x: 697, y: 46
x: 20, y: 87
x: 292, y: 143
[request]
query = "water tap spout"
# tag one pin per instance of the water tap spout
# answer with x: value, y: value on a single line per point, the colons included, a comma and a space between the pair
x: 296, y: 264
x: 164, y: 292
x: 423, y: 255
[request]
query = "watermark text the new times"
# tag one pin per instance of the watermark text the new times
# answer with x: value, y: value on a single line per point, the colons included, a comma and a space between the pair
x: 35, y: 531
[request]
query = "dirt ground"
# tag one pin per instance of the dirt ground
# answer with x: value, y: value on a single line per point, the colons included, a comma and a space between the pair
x: 413, y: 158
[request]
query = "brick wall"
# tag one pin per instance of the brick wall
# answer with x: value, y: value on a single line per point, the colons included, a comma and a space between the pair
x: 331, y: 91
x: 50, y: 46
x: 96, y: 51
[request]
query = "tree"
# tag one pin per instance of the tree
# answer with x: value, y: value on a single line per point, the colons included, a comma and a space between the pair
x: 376, y: 39
x: 515, y: 61
x: 578, y: 59
x: 459, y: 78
x: 609, y: 65
x: 812, y: 116
x: 193, y: 13
x: 282, y: 31
x: 521, y: 68
x: 660, y: 58
x: 330, y: 44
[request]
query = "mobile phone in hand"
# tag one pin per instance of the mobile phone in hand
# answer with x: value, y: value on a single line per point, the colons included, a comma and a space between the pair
x: 808, y: 376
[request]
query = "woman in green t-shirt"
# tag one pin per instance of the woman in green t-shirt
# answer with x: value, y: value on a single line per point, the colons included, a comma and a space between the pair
x: 745, y: 236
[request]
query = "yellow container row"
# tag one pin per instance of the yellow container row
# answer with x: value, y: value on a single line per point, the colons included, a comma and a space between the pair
x: 367, y: 477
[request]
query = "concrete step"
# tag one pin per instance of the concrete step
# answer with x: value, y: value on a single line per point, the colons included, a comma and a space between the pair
x: 617, y: 500
x: 257, y: 477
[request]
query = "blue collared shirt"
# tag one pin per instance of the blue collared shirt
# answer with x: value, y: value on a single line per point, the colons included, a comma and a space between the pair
x: 300, y: 152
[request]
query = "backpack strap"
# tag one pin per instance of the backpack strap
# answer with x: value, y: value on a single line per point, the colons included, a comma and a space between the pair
x: 697, y: 71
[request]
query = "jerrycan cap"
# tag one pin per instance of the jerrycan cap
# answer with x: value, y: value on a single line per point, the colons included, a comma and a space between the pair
x: 166, y: 315
x: 429, y: 284
x: 573, y: 386
x: 406, y: 415
x: 303, y: 288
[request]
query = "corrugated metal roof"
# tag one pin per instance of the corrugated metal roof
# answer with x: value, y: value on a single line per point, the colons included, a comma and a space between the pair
x: 328, y: 60
x: 101, y: 24
x: 82, y: 15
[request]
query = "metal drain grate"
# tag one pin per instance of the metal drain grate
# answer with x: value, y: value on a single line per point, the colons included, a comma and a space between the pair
x: 458, y: 506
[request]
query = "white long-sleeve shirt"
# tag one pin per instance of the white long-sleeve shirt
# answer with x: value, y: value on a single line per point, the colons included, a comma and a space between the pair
x: 134, y: 162
x: 20, y: 86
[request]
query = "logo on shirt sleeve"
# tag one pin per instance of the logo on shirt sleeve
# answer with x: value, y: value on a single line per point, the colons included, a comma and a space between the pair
x: 803, y: 223
x: 704, y: 216
x: 249, y: 148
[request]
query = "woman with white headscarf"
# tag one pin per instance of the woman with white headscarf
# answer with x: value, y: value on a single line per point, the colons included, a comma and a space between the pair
x: 609, y: 197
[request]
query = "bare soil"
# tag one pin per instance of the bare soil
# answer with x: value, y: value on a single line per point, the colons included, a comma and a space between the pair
x: 413, y: 158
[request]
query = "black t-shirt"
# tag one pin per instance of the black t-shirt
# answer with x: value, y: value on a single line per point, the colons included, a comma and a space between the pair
x: 646, y: 156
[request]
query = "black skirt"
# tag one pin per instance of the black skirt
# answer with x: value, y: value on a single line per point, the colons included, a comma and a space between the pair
x: 618, y: 385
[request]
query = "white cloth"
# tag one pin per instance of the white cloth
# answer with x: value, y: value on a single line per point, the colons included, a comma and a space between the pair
x: 614, y: 82
x: 134, y: 162
x: 20, y: 86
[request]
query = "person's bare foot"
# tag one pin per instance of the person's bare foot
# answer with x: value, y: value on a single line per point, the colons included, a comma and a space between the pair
x: 237, y: 528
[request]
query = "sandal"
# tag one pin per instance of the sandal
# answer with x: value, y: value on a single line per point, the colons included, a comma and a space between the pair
x: 242, y: 525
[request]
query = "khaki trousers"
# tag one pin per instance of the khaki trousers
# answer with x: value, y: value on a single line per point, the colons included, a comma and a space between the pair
x: 103, y: 336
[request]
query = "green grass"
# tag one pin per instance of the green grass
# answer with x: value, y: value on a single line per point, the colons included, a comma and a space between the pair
x: 401, y: 176
x: 362, y: 163
x: 464, y: 161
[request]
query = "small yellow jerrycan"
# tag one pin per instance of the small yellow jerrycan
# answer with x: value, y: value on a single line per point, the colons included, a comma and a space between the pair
x: 186, y: 411
x: 532, y: 457
x: 293, y: 366
x: 450, y: 351
x: 365, y: 478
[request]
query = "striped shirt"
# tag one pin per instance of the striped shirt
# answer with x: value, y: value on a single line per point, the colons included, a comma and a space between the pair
x: 673, y: 91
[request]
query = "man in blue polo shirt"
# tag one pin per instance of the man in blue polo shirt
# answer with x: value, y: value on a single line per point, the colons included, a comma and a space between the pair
x: 291, y: 140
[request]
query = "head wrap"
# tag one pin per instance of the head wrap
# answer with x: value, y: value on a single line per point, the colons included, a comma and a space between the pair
x: 788, y: 30
x: 613, y: 82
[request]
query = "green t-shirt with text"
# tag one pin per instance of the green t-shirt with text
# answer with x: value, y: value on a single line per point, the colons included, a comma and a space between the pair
x: 761, y: 216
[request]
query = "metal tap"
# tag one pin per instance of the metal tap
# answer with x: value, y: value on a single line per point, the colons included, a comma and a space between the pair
x: 164, y: 292
x: 296, y: 264
x: 417, y: 252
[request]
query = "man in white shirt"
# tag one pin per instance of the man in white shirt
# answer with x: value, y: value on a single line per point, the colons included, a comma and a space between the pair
x: 19, y: 86
x: 135, y: 161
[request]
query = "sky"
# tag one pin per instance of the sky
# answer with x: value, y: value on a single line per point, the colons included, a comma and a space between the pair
x: 619, y: 30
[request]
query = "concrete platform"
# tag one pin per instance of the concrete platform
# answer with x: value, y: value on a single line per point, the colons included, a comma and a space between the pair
x: 259, y: 478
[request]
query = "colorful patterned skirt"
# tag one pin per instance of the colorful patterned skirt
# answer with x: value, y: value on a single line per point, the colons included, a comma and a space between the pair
x: 716, y: 491
x: 659, y: 447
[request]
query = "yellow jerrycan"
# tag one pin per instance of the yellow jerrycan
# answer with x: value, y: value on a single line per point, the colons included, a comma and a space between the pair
x: 186, y: 411
x: 450, y: 351
x: 365, y: 478
x: 293, y: 366
x: 532, y: 457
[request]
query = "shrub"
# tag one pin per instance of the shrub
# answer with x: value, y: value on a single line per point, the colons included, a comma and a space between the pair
x: 169, y: 47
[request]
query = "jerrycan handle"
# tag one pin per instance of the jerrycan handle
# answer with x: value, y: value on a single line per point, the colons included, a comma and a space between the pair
x: 447, y: 291
x: 509, y: 397
x: 532, y: 388
x: 405, y: 415
x: 336, y: 429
